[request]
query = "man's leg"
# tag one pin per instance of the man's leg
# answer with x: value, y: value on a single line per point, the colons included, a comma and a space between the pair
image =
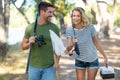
x: 34, y: 74
x: 48, y: 74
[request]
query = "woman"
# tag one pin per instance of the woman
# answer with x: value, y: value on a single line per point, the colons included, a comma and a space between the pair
x: 85, y: 37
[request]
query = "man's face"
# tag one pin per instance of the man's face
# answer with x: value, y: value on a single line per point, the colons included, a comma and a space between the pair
x: 48, y: 13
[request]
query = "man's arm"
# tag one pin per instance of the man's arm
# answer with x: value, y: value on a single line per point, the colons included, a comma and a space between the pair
x: 26, y: 42
x: 56, y: 61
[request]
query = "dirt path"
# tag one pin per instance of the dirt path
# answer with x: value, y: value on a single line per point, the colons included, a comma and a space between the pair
x: 111, y: 48
x: 14, y: 66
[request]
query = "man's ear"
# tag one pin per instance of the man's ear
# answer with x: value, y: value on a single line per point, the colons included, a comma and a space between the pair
x: 42, y: 11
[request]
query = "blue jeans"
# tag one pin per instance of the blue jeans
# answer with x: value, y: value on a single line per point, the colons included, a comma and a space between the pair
x: 41, y: 73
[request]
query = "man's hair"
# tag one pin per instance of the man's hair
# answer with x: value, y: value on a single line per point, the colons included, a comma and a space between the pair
x: 44, y: 6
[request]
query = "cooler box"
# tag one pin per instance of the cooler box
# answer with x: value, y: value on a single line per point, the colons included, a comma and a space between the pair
x: 107, y: 72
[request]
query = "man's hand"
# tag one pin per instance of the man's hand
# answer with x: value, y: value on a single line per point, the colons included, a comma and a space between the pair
x: 32, y: 39
x: 56, y: 66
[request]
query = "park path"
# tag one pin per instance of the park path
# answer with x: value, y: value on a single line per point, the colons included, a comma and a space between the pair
x: 111, y: 48
x: 13, y: 67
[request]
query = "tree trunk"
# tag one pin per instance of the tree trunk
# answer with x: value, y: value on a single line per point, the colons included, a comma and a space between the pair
x: 21, y: 10
x: 62, y: 27
x: 4, y: 23
x: 113, y: 16
x: 105, y: 19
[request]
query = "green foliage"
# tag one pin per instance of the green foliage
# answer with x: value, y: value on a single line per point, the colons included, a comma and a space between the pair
x: 117, y: 22
x: 92, y: 18
x: 62, y: 8
x: 4, y: 77
x: 117, y: 19
x: 110, y: 8
x: 89, y: 13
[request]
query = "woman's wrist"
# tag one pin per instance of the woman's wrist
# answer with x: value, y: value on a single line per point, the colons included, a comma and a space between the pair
x: 69, y: 47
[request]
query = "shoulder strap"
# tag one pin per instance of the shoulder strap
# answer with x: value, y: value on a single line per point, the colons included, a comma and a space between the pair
x: 74, y: 32
x: 76, y: 45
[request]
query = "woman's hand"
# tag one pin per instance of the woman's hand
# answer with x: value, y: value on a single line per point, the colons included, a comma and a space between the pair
x: 106, y: 62
x: 75, y: 40
x: 71, y: 47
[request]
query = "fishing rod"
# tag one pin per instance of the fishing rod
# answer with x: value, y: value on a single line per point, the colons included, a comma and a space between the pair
x: 30, y: 51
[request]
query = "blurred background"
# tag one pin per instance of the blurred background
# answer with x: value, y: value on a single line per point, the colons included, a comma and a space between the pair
x: 16, y: 15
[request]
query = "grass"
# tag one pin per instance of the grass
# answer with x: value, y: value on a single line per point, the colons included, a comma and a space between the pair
x: 13, y: 66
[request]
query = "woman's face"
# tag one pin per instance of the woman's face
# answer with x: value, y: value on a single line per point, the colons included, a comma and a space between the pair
x: 76, y: 17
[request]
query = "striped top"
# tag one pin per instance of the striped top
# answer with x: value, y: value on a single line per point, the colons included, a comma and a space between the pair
x: 88, y: 52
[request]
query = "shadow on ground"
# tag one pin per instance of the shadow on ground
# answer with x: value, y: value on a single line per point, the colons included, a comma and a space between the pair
x: 13, y: 77
x: 14, y: 66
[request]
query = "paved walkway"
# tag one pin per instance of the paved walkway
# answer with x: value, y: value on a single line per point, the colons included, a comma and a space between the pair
x: 111, y: 48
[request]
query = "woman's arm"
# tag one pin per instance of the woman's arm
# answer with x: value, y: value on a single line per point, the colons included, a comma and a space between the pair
x: 56, y: 61
x: 99, y: 48
x: 70, y: 44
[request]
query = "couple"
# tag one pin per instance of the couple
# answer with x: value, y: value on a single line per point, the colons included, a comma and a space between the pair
x: 43, y: 62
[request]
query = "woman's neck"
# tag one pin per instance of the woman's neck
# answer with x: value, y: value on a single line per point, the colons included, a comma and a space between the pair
x: 78, y: 26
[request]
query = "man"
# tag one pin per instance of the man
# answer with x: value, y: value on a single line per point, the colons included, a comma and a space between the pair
x: 43, y: 62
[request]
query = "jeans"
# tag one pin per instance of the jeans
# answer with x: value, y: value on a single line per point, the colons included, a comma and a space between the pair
x: 41, y: 73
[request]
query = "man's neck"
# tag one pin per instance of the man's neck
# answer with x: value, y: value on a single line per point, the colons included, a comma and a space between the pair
x: 41, y: 21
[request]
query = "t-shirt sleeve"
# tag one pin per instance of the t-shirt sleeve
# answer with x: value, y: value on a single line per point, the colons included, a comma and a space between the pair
x: 28, y: 31
x: 56, y: 30
x: 69, y: 32
x: 93, y: 31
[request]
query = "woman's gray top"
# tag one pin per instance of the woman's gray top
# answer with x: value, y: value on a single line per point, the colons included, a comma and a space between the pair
x: 88, y: 52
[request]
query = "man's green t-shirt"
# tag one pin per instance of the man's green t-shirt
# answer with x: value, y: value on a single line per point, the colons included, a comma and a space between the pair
x: 42, y: 57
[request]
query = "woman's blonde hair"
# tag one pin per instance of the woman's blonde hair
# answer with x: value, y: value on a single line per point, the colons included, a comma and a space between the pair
x: 85, y: 20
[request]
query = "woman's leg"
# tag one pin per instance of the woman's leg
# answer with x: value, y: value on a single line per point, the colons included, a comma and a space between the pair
x: 92, y: 69
x: 92, y: 73
x: 80, y: 73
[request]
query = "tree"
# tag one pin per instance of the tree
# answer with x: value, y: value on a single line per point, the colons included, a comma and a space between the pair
x: 103, y: 16
x: 107, y: 19
x: 113, y: 15
x: 61, y: 10
x: 4, y: 24
x: 21, y: 9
